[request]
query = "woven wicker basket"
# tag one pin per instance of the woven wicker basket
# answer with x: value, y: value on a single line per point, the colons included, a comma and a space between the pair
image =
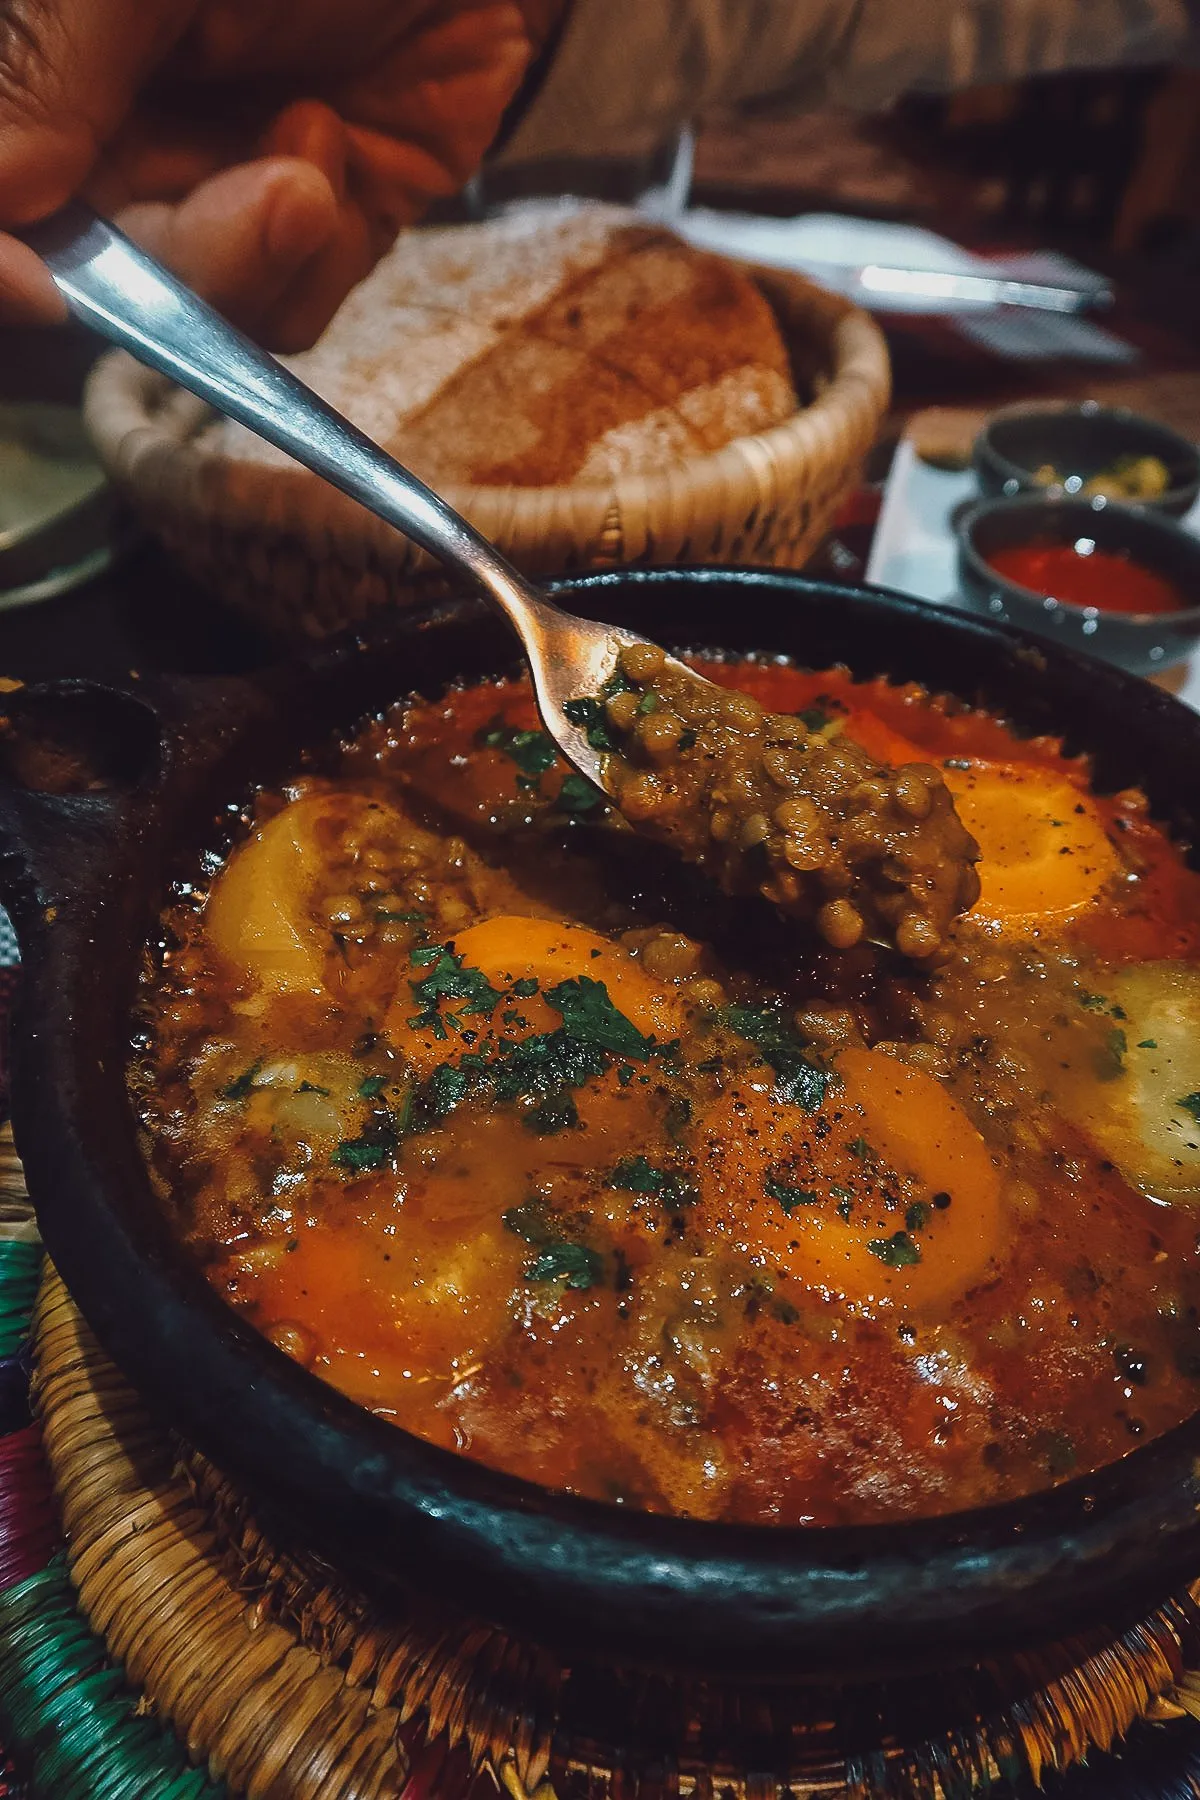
x: 304, y: 560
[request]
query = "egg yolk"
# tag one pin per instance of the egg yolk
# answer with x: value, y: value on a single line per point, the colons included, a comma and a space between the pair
x: 521, y: 959
x: 886, y: 1193
x: 257, y: 914
x: 1044, y: 852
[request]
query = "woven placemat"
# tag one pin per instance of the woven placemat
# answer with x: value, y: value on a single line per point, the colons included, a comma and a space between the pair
x: 155, y: 1640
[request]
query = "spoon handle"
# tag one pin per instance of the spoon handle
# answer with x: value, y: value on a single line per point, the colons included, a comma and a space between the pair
x: 132, y: 300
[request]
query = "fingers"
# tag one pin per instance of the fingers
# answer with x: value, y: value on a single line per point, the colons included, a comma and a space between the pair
x: 243, y: 237
x: 27, y: 294
x: 69, y: 72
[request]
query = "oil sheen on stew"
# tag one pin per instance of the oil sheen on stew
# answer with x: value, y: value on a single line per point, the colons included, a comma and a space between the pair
x: 494, y: 1116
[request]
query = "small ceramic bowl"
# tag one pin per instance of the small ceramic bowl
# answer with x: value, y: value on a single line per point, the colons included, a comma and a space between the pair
x: 1081, y: 441
x: 1143, y: 643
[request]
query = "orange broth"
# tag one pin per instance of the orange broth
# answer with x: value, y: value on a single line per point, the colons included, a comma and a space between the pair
x: 501, y: 1122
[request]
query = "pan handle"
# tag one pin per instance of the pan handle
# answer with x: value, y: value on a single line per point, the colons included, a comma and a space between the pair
x: 85, y: 769
x: 79, y: 761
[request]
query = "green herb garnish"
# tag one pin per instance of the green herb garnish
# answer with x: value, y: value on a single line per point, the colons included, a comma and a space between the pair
x: 450, y: 979
x: 370, y: 1089
x: 897, y: 1251
x: 359, y: 1155
x: 574, y: 1264
x: 637, y: 1175
x: 532, y: 751
x: 556, y: 1113
x: 577, y: 796
x: 789, y: 1197
x: 590, y: 1016
x: 526, y: 987
x: 918, y: 1215
x: 798, y: 1081
x: 1190, y: 1103
x: 241, y: 1084
x: 589, y: 715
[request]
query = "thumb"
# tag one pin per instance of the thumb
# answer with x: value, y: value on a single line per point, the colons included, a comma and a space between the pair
x: 70, y: 71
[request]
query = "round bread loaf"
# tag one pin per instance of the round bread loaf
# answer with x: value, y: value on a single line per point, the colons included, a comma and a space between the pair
x: 570, y: 345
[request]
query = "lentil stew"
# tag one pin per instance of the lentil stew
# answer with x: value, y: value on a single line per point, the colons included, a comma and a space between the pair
x: 540, y: 1146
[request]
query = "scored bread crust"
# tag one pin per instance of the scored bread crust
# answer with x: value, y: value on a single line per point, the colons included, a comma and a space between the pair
x: 560, y: 345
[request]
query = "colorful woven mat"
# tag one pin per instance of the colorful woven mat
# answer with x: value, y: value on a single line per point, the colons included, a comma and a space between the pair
x: 78, y: 1727
x: 66, y: 1710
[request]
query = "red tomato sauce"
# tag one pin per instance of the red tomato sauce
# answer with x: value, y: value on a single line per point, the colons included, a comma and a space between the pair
x: 1098, y: 578
x: 783, y: 1243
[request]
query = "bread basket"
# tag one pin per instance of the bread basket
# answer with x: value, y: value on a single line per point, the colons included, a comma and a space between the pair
x: 303, y: 560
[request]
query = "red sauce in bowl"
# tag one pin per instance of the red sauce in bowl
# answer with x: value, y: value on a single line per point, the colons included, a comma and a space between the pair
x: 1099, y: 578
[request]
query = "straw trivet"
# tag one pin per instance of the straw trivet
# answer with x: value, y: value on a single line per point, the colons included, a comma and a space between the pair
x: 177, y: 1650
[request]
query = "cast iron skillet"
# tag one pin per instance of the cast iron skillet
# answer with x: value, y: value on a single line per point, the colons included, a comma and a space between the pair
x: 84, y: 874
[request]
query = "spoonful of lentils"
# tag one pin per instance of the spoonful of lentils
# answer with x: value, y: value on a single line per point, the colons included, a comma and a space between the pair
x: 811, y: 822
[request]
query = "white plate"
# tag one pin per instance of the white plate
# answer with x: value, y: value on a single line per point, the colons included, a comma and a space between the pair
x: 914, y: 549
x: 832, y: 249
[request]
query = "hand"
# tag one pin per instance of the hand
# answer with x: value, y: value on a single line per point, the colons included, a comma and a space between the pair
x: 268, y: 150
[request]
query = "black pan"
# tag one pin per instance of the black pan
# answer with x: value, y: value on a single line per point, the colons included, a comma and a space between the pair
x: 85, y: 873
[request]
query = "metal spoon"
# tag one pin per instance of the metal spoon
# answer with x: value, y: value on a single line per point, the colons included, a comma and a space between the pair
x: 132, y: 300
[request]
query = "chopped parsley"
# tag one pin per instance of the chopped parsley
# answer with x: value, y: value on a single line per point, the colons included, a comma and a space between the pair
x: 445, y: 1088
x: 798, y: 1081
x: 557, y: 1112
x: 449, y: 979
x: 859, y: 1147
x: 648, y: 702
x: 573, y: 1264
x: 897, y: 1251
x: 1094, y: 1002
x: 526, y: 987
x: 918, y: 1215
x: 1148, y: 1044
x: 533, y: 751
x: 400, y: 918
x: 577, y: 796
x: 528, y: 1221
x: 589, y: 1016
x: 817, y: 716
x: 359, y: 1155
x: 577, y: 1265
x: 589, y: 715
x: 788, y: 1196
x: 311, y: 1087
x: 1190, y: 1103
x: 370, y: 1089
x: 240, y: 1086
x: 637, y: 1175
